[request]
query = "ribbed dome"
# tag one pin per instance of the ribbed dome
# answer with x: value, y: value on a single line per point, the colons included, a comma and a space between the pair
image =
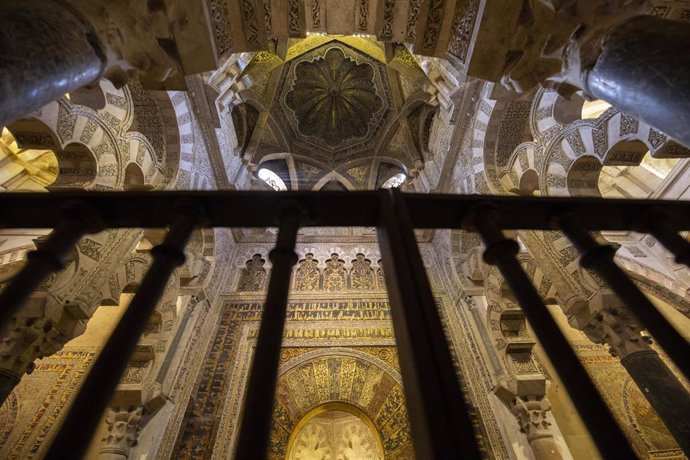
x: 334, y: 98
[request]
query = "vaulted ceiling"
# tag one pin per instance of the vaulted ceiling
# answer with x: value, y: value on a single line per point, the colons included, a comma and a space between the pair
x: 334, y: 112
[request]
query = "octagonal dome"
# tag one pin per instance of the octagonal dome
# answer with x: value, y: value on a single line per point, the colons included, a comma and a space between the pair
x: 334, y: 98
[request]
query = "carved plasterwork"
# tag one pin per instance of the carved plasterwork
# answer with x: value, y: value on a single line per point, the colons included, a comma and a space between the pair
x: 345, y: 375
x: 123, y: 431
x: 335, y: 275
x: 335, y: 434
x: 329, y: 105
x: 545, y: 40
x: 365, y: 93
x: 531, y: 414
x: 619, y: 330
x: 464, y: 20
x: 253, y: 277
x: 310, y: 324
x: 136, y: 38
x: 334, y: 98
x: 307, y: 276
x: 362, y: 276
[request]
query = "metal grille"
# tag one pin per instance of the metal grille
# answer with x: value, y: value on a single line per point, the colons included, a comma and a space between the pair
x: 439, y: 416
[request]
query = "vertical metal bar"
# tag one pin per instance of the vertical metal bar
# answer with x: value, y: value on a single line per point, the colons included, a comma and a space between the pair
x: 255, y: 427
x: 49, y: 257
x: 502, y: 252
x: 76, y: 431
x: 441, y: 425
x: 600, y: 259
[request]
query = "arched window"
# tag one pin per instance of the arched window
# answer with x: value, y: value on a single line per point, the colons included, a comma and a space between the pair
x: 272, y: 179
x: 395, y: 181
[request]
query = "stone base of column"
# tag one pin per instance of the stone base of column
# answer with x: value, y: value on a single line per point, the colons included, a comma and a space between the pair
x: 664, y: 392
x: 8, y: 380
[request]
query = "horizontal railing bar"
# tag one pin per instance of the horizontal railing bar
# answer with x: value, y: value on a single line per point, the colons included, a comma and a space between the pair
x: 332, y: 209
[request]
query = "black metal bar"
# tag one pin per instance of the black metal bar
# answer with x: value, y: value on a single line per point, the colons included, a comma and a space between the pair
x: 658, y: 226
x: 75, y: 220
x: 76, y: 431
x: 255, y: 427
x: 600, y: 259
x: 330, y: 209
x: 502, y: 252
x: 441, y: 425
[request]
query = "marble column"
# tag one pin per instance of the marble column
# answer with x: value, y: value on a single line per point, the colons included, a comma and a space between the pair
x: 495, y: 361
x: 665, y: 393
x: 644, y: 70
x: 47, y: 50
x: 611, y: 49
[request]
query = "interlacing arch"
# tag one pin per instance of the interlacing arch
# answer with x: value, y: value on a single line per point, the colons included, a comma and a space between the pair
x: 613, y: 138
x: 98, y: 150
x: 566, y: 158
x: 111, y: 135
x: 102, y: 139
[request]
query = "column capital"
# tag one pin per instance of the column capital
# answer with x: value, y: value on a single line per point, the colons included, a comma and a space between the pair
x: 539, y: 41
x: 158, y: 41
x: 617, y: 328
x: 531, y: 414
x: 124, y: 425
x: 28, y: 340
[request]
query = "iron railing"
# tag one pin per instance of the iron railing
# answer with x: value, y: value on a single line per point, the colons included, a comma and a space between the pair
x: 439, y: 416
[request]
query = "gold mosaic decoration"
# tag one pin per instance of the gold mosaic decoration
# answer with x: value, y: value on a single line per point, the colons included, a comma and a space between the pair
x: 347, y: 379
x: 42, y: 397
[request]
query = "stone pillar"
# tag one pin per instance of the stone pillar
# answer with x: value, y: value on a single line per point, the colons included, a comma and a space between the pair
x: 124, y: 425
x: 531, y: 414
x: 51, y: 47
x: 47, y: 51
x: 663, y: 390
x: 498, y: 368
x: 608, y: 48
x: 658, y: 383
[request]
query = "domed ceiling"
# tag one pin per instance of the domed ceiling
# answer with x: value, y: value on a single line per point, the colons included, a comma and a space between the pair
x: 333, y: 112
x: 335, y: 99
